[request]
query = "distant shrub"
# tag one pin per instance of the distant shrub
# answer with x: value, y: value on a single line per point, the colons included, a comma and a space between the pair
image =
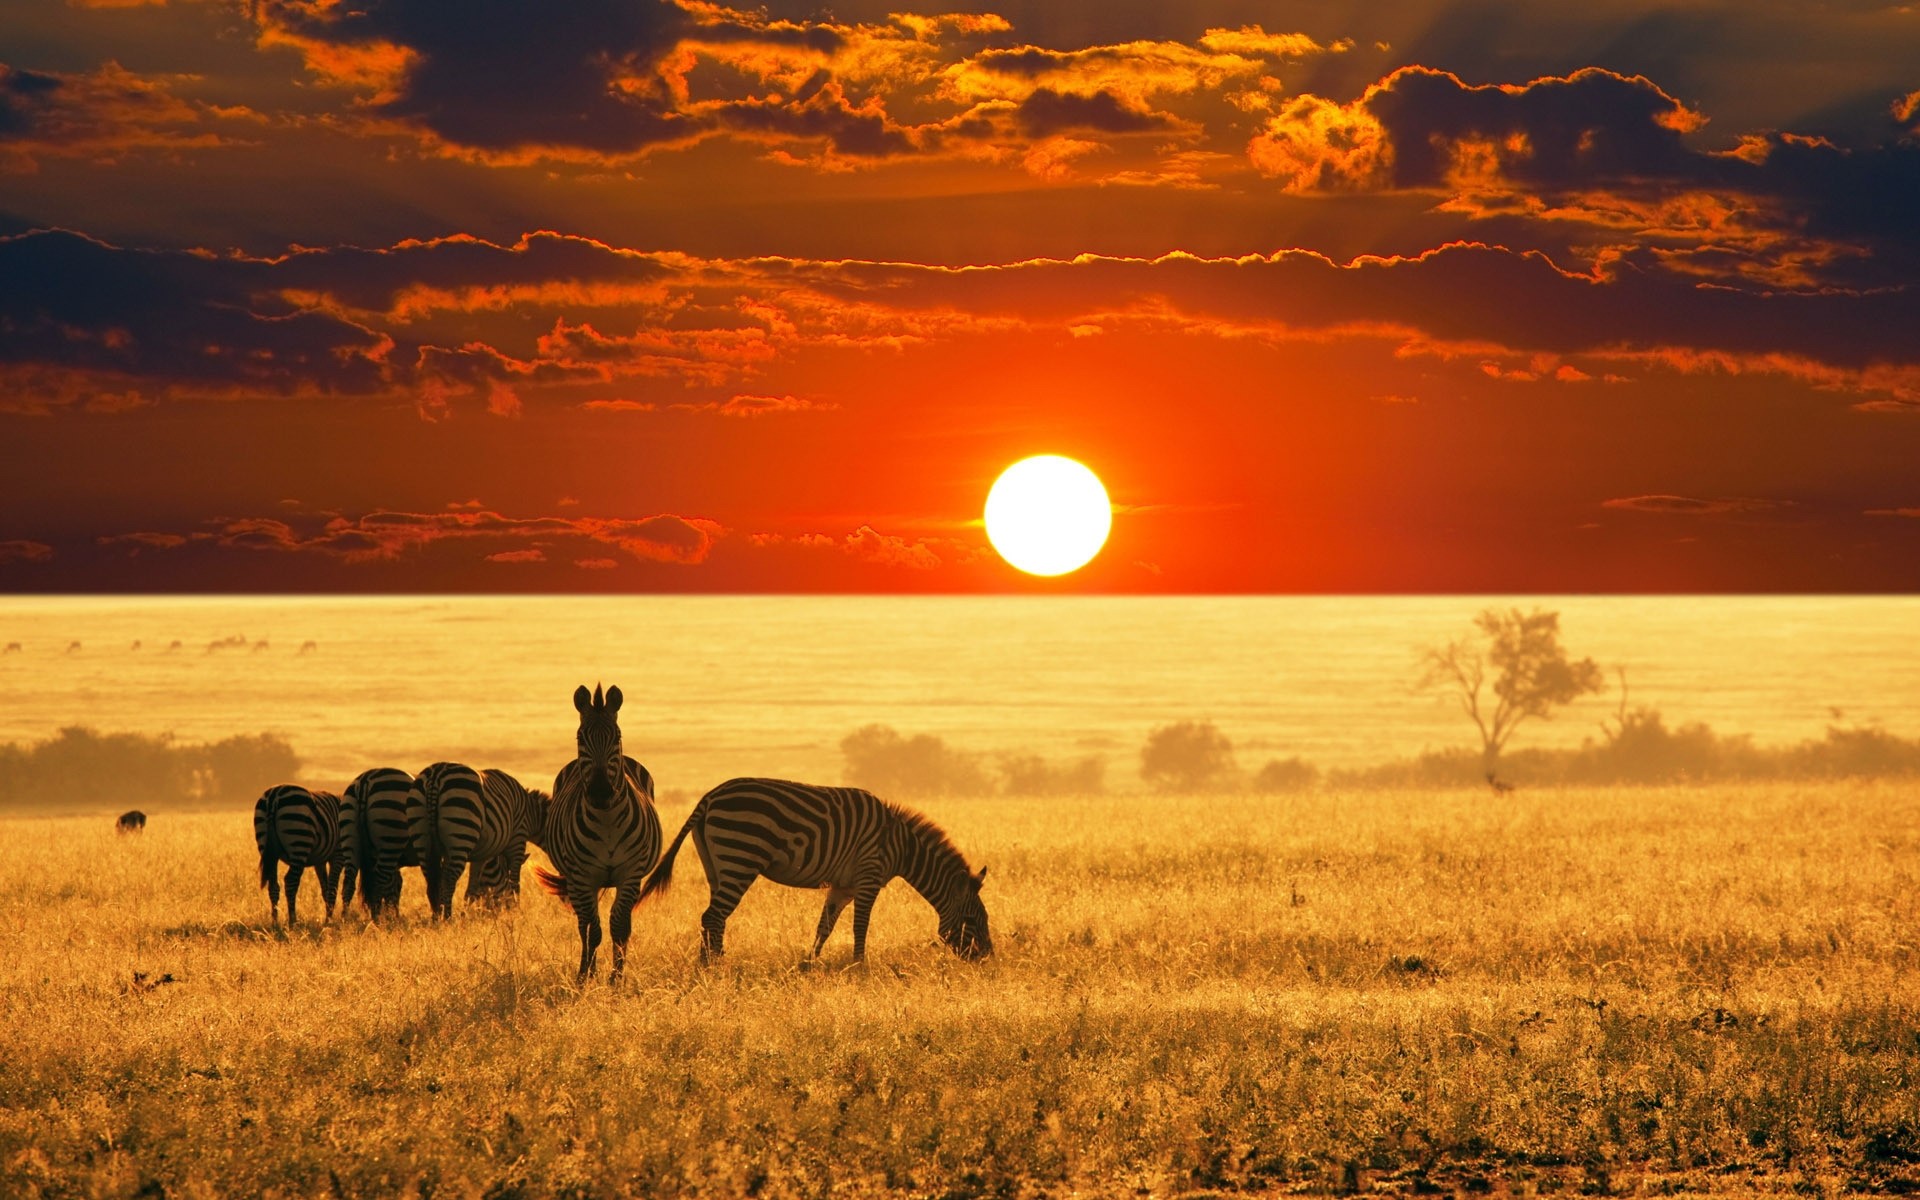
x: 1032, y: 775
x: 1188, y: 756
x: 82, y: 768
x: 1286, y: 775
x: 879, y: 759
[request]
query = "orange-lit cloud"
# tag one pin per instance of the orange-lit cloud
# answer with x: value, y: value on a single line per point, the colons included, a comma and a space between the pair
x: 99, y: 115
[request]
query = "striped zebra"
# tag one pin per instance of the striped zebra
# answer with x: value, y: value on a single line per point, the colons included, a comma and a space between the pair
x: 302, y: 829
x: 378, y: 820
x: 602, y: 831
x: 447, y: 798
x: 848, y: 841
x: 492, y: 835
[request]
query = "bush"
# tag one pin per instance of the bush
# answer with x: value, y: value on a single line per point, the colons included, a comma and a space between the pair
x: 1032, y: 775
x: 83, y: 768
x: 879, y: 759
x: 1286, y: 775
x: 1189, y: 756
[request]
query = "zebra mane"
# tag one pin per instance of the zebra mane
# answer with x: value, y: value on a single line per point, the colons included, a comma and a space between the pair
x: 922, y: 827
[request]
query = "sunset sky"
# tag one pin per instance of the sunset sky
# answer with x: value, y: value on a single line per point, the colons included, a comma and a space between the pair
x: 617, y: 295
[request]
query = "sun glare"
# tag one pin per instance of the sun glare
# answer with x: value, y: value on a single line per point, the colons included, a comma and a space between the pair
x: 1048, y: 515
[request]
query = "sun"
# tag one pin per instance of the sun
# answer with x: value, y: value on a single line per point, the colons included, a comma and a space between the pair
x: 1048, y: 515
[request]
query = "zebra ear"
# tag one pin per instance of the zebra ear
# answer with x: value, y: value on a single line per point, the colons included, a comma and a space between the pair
x: 979, y: 877
x: 613, y: 698
x: 581, y: 697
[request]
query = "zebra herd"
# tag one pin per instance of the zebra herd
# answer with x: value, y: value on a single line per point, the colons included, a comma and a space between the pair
x: 600, y: 830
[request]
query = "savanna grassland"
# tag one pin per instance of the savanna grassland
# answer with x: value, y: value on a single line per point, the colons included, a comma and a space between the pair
x: 1578, y: 991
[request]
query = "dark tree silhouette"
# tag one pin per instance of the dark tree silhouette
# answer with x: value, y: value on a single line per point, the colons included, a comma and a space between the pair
x: 1521, y: 673
x: 1188, y: 756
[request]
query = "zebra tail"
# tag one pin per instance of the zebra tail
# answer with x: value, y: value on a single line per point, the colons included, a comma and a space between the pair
x: 552, y: 881
x: 270, y: 849
x: 662, y: 877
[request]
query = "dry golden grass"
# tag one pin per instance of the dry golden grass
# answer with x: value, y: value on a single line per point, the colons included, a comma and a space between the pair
x: 1557, y: 991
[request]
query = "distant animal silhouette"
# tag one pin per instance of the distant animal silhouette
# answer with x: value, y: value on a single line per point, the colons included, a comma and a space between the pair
x: 602, y: 830
x: 260, y: 645
x: 131, y: 822
x: 845, y: 840
x: 302, y: 829
x: 309, y: 647
x: 136, y: 644
x: 1500, y: 786
x: 226, y: 643
x: 12, y: 648
x: 142, y: 982
x: 174, y: 645
x: 73, y: 647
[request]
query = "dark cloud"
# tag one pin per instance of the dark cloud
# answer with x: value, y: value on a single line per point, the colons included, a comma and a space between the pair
x: 379, y: 536
x: 1620, y: 152
x: 1691, y: 506
x: 188, y: 320
x: 1046, y: 112
x: 20, y: 550
x: 99, y: 115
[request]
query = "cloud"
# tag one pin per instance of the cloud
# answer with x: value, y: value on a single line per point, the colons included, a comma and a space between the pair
x: 21, y: 550
x: 389, y: 535
x: 1692, y: 507
x: 1613, y: 151
x: 99, y: 115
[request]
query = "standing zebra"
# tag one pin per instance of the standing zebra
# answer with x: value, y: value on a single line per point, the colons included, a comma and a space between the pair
x: 602, y: 831
x: 378, y: 820
x: 845, y: 840
x: 302, y: 829
x: 449, y: 797
x: 511, y: 817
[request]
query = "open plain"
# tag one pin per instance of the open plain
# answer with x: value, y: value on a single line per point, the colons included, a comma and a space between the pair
x: 1582, y: 991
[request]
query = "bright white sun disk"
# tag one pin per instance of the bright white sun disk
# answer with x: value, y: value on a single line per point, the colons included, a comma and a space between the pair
x: 1048, y: 515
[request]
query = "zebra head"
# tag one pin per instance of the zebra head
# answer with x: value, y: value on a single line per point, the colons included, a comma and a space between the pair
x: 600, y: 751
x: 963, y: 927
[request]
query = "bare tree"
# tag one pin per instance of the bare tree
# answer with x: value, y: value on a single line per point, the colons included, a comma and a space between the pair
x: 1522, y: 665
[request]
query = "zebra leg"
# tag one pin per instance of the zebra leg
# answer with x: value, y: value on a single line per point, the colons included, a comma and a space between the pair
x: 837, y: 899
x: 293, y: 891
x: 620, y: 924
x: 450, y: 869
x: 863, y: 899
x: 329, y: 885
x: 349, y: 874
x: 586, y: 907
x: 272, y: 879
x: 510, y: 886
x: 724, y: 897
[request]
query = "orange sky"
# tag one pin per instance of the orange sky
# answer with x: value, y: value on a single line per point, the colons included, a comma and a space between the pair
x: 410, y: 295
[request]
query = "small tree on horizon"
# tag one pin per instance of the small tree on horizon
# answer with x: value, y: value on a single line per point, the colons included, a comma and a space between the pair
x: 1530, y: 675
x: 1188, y: 756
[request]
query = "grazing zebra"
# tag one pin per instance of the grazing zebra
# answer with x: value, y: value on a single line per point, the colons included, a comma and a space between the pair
x: 378, y: 820
x: 845, y: 840
x: 302, y: 829
x: 131, y: 822
x: 476, y: 825
x: 511, y: 817
x: 447, y: 795
x: 602, y: 831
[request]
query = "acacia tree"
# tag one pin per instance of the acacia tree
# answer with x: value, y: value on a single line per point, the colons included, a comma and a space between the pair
x: 1530, y: 675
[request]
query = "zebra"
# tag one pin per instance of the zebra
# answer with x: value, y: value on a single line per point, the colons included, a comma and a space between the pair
x: 848, y: 841
x: 377, y: 825
x: 131, y: 822
x: 302, y: 829
x: 446, y: 796
x: 601, y: 831
x: 494, y: 820
x: 512, y: 816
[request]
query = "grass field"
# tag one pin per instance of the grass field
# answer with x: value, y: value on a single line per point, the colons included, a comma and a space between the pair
x: 1557, y: 991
